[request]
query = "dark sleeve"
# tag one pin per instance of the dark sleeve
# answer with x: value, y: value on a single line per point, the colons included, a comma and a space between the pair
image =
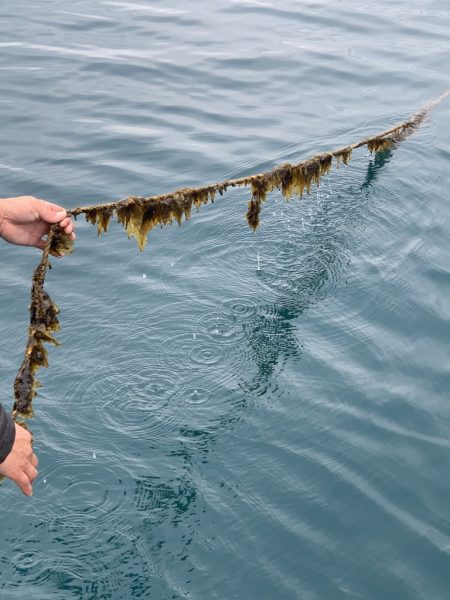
x: 7, y: 434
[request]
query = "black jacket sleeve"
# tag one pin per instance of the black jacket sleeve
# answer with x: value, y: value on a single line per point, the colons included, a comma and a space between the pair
x: 7, y: 434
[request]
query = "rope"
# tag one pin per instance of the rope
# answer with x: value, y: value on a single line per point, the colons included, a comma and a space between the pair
x: 139, y: 215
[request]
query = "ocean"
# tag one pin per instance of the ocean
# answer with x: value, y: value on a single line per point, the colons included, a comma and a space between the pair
x: 232, y: 414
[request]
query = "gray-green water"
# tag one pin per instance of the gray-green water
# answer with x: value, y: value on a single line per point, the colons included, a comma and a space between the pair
x: 233, y: 415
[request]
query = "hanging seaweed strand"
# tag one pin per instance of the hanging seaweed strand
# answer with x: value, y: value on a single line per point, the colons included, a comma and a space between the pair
x: 139, y: 215
x: 43, y: 324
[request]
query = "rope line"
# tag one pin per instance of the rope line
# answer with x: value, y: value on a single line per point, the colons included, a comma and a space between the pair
x: 139, y: 215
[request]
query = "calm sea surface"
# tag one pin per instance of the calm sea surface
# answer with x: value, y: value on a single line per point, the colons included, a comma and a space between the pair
x: 232, y: 415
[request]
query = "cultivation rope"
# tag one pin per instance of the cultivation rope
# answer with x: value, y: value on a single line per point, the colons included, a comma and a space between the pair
x: 140, y: 214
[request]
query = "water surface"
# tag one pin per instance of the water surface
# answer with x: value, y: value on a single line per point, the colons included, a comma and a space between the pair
x: 233, y: 415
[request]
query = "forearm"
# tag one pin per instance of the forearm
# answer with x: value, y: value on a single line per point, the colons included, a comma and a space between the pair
x: 7, y: 434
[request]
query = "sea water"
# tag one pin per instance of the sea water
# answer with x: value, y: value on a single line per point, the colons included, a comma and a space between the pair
x: 232, y: 415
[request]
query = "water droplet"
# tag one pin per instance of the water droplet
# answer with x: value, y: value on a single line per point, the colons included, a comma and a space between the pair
x: 171, y: 264
x: 197, y: 396
x: 45, y: 481
x: 194, y: 335
x: 94, y: 456
x: 144, y: 276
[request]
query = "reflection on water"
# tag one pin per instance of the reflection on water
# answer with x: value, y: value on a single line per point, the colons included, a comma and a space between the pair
x: 375, y: 166
x: 164, y: 501
x: 298, y: 272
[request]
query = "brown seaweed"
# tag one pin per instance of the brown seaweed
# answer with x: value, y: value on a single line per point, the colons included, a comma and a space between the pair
x: 60, y: 243
x: 139, y: 215
x: 43, y: 324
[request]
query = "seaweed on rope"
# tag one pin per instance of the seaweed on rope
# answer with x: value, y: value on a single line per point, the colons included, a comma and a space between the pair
x: 139, y: 215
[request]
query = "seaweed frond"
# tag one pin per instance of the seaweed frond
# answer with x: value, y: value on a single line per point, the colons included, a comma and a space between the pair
x: 43, y: 323
x: 60, y: 243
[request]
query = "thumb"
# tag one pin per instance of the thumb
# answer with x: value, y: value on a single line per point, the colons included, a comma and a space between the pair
x: 50, y: 213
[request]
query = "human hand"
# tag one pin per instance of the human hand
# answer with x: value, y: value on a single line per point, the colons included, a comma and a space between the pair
x: 26, y: 220
x: 20, y: 464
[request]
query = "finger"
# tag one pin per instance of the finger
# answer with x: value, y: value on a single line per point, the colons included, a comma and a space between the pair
x: 34, y: 460
x: 31, y: 473
x: 63, y: 224
x: 68, y: 229
x: 24, y: 484
x: 51, y: 213
x: 56, y: 254
x: 40, y: 244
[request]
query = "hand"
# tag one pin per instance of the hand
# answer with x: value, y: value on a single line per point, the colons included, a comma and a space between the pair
x: 20, y: 464
x: 26, y: 220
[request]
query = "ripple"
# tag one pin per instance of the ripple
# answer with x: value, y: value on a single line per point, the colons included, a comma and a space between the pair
x: 171, y: 273
x: 222, y: 327
x: 135, y: 398
x: 80, y: 491
x: 90, y: 541
x: 244, y: 308
x: 204, y: 354
x: 28, y: 562
x: 196, y: 396
x: 210, y: 410
x: 82, y: 500
x: 192, y: 352
x: 44, y: 572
